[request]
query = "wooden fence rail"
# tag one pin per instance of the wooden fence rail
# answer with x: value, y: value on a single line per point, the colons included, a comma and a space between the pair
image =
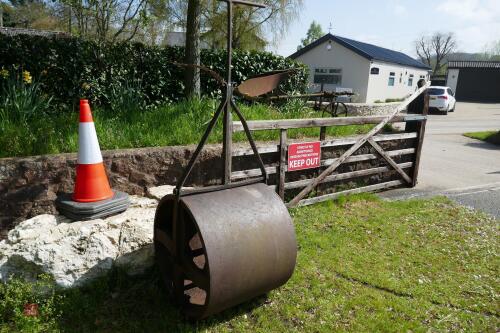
x: 261, y: 125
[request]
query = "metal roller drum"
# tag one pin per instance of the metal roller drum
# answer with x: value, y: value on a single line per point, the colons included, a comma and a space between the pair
x: 239, y: 243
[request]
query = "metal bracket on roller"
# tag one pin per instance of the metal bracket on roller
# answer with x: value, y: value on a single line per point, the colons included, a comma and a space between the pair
x: 222, y: 245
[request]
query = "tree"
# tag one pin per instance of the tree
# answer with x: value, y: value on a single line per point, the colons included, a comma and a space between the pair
x: 110, y: 20
x: 247, y: 33
x: 492, y: 51
x: 253, y: 28
x: 249, y: 27
x: 315, y: 31
x: 29, y: 14
x: 5, y: 14
x: 156, y: 24
x: 433, y: 50
x: 192, y: 50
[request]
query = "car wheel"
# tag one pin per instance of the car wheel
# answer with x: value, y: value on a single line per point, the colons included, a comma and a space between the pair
x: 445, y: 112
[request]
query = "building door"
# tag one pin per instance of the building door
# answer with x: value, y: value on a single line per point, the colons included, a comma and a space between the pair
x: 478, y: 85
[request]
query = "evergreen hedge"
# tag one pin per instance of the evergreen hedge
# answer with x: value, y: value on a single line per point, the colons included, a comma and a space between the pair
x: 71, y: 68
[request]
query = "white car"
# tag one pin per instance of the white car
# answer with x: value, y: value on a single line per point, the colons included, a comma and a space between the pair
x: 441, y: 99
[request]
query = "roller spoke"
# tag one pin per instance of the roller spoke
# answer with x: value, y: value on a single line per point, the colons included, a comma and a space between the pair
x: 166, y: 241
x: 198, y: 252
x: 189, y: 285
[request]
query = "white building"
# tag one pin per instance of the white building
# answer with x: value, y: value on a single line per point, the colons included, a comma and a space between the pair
x: 372, y: 72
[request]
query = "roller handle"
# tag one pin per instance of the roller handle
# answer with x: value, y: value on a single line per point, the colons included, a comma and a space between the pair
x: 246, y: 3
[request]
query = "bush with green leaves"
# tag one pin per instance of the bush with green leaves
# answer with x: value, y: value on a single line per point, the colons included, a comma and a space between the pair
x: 71, y: 68
x: 17, y: 295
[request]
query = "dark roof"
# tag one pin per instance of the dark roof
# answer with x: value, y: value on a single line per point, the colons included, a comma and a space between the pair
x: 473, y: 64
x: 368, y: 51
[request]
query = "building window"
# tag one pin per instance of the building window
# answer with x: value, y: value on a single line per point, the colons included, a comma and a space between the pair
x: 328, y: 75
x: 410, y: 80
x: 374, y: 71
x: 392, y: 78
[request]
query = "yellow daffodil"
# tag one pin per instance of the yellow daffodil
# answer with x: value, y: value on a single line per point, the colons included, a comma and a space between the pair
x: 85, y: 86
x: 4, y: 73
x: 27, y: 77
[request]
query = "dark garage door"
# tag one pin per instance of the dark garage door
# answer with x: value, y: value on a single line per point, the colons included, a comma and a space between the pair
x: 478, y: 85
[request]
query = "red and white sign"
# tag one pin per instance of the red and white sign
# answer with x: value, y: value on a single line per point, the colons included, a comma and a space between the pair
x: 306, y: 155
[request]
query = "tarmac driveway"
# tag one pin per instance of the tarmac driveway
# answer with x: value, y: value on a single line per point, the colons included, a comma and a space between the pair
x: 466, y: 170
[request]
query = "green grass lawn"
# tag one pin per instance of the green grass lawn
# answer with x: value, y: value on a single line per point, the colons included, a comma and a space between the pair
x: 364, y: 265
x: 176, y: 124
x: 488, y: 136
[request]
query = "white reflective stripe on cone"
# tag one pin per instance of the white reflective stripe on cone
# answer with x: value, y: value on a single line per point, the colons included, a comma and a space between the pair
x: 88, y: 146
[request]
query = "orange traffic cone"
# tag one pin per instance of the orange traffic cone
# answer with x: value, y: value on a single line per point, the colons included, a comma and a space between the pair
x: 91, y: 181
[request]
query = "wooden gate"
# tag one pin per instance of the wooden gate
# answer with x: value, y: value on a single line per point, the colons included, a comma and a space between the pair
x: 367, y: 163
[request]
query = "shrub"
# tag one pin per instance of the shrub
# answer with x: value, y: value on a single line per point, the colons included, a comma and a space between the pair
x: 71, y: 68
x: 16, y: 295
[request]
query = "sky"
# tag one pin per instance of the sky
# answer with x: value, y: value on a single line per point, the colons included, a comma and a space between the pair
x: 396, y: 24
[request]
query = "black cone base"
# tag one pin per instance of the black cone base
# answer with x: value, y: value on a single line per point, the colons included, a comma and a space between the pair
x: 82, y: 211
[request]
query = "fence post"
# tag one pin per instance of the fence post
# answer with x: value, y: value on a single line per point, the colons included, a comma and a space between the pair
x: 322, y: 133
x: 419, y: 127
x: 282, y: 164
x: 425, y: 111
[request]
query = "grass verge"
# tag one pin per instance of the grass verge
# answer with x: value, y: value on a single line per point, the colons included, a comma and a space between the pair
x: 364, y: 265
x: 488, y: 136
x: 177, y: 124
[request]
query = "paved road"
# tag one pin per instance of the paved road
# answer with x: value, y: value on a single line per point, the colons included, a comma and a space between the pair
x: 464, y: 169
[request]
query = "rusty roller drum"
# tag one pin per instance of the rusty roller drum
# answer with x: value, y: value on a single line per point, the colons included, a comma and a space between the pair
x: 239, y: 243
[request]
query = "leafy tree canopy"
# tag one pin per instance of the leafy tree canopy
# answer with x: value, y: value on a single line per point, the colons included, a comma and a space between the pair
x: 315, y: 31
x: 149, y: 21
x: 253, y: 28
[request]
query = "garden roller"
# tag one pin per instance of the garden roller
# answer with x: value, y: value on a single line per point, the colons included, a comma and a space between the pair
x: 219, y: 246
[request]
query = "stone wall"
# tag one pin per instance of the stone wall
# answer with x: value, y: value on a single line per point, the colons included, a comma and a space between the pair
x: 28, y: 186
x: 366, y: 109
x: 373, y: 109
